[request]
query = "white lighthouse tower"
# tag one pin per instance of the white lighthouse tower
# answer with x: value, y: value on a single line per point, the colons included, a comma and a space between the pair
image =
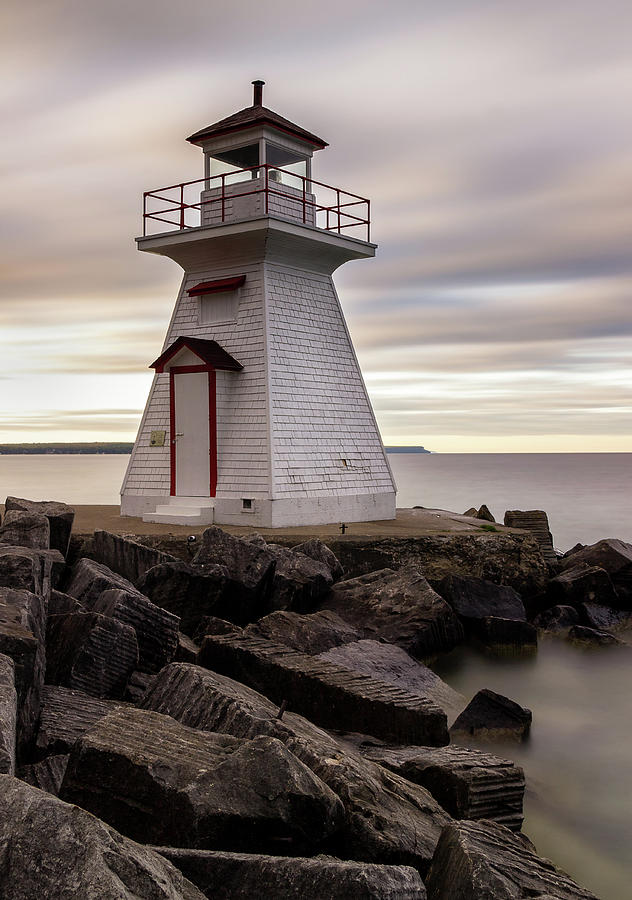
x: 258, y: 414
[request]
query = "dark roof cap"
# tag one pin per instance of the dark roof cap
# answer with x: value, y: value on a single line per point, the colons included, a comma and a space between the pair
x: 248, y: 118
x: 209, y: 352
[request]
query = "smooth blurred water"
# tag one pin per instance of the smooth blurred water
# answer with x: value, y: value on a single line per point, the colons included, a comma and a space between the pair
x: 578, y: 761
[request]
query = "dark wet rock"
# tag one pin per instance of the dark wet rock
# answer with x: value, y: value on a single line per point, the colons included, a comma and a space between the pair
x: 486, y: 861
x: 23, y: 529
x: 471, y: 512
x: 590, y: 637
x: 23, y: 568
x: 473, y: 599
x: 195, y: 593
x: 319, y: 551
x: 311, y: 634
x: 603, y: 618
x: 50, y: 849
x: 467, y: 783
x: 91, y: 653
x: 215, y: 625
x: 60, y: 518
x: 248, y: 564
x: 225, y: 876
x: 391, y: 664
x: 137, y: 686
x: 506, y: 636
x: 60, y: 604
x: 22, y: 638
x: 615, y: 557
x: 388, y: 819
x: 88, y: 579
x: 327, y: 694
x: 573, y: 549
x: 8, y: 715
x: 582, y: 584
x: 66, y: 716
x: 484, y: 513
x: 490, y: 716
x: 47, y: 774
x: 299, y: 581
x: 187, y: 650
x: 557, y: 618
x: 537, y: 522
x: 156, y: 629
x: 161, y: 782
x: 399, y: 607
x: 124, y: 555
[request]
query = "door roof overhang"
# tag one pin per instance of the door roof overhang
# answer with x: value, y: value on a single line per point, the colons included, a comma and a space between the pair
x: 209, y: 352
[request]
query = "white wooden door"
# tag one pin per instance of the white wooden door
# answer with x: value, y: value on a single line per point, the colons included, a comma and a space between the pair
x: 191, y: 402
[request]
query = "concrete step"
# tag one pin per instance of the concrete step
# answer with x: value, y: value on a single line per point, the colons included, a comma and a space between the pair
x: 183, y: 512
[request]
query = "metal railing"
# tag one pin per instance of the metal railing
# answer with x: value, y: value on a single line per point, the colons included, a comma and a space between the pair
x: 205, y: 201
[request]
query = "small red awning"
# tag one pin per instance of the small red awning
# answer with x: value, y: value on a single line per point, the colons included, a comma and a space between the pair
x: 214, y: 287
x: 209, y: 352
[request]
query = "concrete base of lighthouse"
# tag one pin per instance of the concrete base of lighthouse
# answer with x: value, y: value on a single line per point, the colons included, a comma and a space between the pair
x: 260, y: 512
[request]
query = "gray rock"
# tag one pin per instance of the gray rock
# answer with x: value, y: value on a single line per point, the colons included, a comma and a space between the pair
x: 60, y: 518
x: 473, y: 599
x: 503, y: 637
x: 537, y: 522
x: 125, y: 556
x: 484, y: 513
x: 603, y: 618
x: 312, y: 634
x: 467, y: 783
x: 590, y: 637
x: 24, y: 569
x: 156, y: 629
x: 326, y: 693
x: 391, y: 664
x: 557, y: 618
x: 388, y: 819
x: 22, y: 529
x: 615, y: 557
x: 47, y: 775
x: 399, y: 607
x: 22, y: 638
x: 89, y: 579
x: 251, y: 566
x: 471, y: 512
x: 490, y: 716
x: 161, y: 782
x: 225, y: 876
x: 65, y: 717
x: 187, y: 650
x: 299, y: 581
x: 486, y: 861
x: 582, y: 584
x: 214, y: 625
x: 54, y: 850
x: 8, y: 715
x: 321, y: 553
x: 91, y: 653
x: 137, y: 686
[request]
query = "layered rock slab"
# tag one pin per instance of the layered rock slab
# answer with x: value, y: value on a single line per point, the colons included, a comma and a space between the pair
x: 125, y: 556
x: 474, y: 599
x: 399, y: 607
x: 47, y: 774
x: 299, y: 580
x: 388, y: 819
x: 23, y: 529
x: 327, y: 694
x: 60, y: 518
x: 615, y: 557
x: 224, y: 876
x: 162, y: 782
x: 88, y: 579
x: 52, y: 849
x: 486, y: 861
x: 491, y: 716
x: 8, y: 716
x: 313, y: 633
x: 66, y: 716
x: 467, y: 783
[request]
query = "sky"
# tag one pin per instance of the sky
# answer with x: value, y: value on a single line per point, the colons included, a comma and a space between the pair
x: 494, y: 140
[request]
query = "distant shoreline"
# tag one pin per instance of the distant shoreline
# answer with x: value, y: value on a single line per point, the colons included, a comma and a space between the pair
x: 102, y: 447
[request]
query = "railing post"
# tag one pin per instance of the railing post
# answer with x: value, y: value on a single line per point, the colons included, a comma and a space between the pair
x: 304, y: 199
x: 223, y: 196
x: 368, y: 221
x: 145, y: 214
x: 181, y: 206
x: 265, y: 168
x: 338, y: 202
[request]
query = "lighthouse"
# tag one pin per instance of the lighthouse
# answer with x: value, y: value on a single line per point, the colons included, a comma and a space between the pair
x: 258, y: 414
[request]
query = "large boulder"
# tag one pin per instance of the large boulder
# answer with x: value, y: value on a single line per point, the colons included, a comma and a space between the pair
x: 299, y: 580
x: 66, y: 715
x: 312, y: 634
x: 23, y: 529
x: 60, y: 518
x: 557, y: 618
x: 91, y: 653
x: 8, y: 715
x: 319, y: 551
x: 582, y: 584
x: 24, y: 568
x: 226, y: 876
x: 249, y: 564
x: 47, y: 774
x: 473, y: 599
x: 615, y: 557
x: 537, y: 522
x: 506, y: 637
x: 490, y: 716
x: 55, y: 850
x: 327, y: 694
x: 156, y: 629
x: 391, y: 664
x: 399, y: 607
x: 486, y: 861
x: 603, y: 618
x: 161, y: 782
x: 467, y: 783
x: 88, y: 579
x: 124, y: 555
x: 591, y: 637
x: 388, y: 819
x: 22, y: 638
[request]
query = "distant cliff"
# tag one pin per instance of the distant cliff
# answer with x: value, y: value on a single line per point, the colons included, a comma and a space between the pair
x: 94, y: 447
x: 407, y: 450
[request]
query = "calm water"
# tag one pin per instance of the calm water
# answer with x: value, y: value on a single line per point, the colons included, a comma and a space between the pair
x: 579, y: 759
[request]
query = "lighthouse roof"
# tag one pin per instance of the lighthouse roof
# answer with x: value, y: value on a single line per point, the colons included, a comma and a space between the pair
x: 250, y: 117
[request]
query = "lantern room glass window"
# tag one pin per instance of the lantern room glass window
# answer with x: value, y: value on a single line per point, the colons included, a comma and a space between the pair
x: 288, y: 165
x: 232, y: 162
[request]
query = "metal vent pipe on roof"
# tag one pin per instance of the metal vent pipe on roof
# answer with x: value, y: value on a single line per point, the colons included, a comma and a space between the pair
x: 257, y: 99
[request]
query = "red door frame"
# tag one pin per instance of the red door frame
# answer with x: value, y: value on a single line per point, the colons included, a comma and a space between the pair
x: 212, y: 423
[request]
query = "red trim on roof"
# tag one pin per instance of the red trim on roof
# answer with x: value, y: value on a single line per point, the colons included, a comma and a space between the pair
x: 212, y: 355
x: 214, y: 287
